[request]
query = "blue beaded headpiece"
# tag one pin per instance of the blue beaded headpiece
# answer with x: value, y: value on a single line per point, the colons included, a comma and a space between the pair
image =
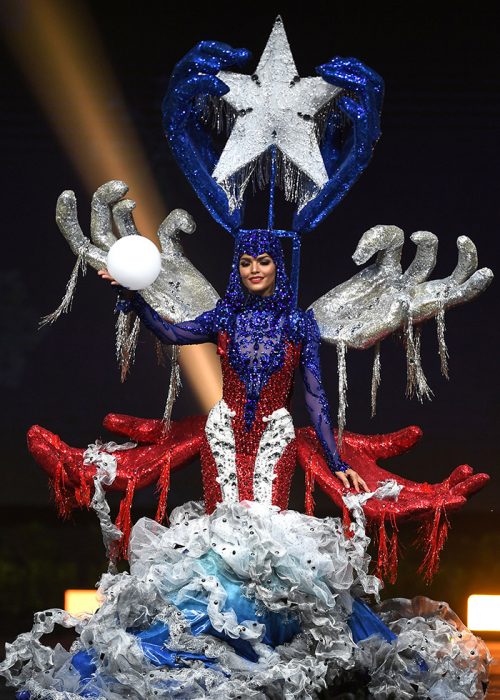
x: 257, y: 243
x: 310, y: 137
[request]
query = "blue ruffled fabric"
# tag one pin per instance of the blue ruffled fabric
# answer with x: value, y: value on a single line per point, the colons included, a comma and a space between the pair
x: 364, y: 623
x: 277, y: 588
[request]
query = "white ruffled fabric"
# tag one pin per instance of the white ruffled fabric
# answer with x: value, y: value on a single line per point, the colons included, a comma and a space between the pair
x: 288, y: 563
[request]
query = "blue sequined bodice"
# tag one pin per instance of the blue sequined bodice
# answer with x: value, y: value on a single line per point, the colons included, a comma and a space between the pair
x: 258, y: 333
x: 256, y: 351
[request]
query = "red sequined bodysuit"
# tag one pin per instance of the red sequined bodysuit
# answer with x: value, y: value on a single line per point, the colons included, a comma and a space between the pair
x: 275, y: 395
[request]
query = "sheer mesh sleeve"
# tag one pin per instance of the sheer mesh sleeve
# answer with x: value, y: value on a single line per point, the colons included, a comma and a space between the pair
x: 200, y: 330
x: 316, y: 401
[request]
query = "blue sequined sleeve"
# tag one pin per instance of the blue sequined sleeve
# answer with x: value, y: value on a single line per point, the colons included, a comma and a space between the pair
x: 201, y: 330
x: 316, y: 401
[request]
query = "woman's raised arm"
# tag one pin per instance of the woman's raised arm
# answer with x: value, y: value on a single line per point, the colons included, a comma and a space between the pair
x: 199, y: 330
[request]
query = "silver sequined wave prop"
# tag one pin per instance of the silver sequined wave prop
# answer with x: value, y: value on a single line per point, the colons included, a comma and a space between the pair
x: 180, y: 290
x: 381, y: 299
x: 180, y: 293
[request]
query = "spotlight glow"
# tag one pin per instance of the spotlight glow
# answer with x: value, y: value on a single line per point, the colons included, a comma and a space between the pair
x: 79, y: 601
x: 483, y: 613
x: 58, y: 47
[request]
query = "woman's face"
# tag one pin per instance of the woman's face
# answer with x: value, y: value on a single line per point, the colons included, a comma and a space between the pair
x: 258, y: 275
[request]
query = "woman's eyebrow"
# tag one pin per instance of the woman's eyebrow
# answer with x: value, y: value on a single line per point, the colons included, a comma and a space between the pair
x: 246, y: 256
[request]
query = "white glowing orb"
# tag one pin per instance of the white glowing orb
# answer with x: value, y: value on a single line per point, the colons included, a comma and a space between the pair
x: 134, y: 262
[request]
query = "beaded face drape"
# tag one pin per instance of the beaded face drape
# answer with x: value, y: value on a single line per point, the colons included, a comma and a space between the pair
x: 257, y: 243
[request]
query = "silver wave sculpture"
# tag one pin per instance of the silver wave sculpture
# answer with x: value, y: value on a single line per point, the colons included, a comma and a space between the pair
x: 179, y: 293
x: 379, y: 300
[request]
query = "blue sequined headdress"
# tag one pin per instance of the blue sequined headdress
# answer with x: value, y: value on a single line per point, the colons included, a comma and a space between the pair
x: 310, y: 137
x: 257, y: 243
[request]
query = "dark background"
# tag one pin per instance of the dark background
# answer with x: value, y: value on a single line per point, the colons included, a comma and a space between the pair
x: 435, y: 168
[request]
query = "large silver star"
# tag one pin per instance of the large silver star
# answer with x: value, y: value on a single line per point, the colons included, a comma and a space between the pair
x: 274, y: 107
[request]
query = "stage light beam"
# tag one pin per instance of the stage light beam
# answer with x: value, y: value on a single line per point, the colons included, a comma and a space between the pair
x: 58, y: 48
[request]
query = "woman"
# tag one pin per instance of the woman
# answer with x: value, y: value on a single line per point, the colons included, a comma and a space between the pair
x: 248, y: 599
x: 239, y: 597
x: 258, y: 334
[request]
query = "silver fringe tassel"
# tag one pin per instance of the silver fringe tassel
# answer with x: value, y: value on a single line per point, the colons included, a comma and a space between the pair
x: 410, y: 357
x: 110, y: 533
x: 162, y: 352
x: 127, y: 333
x: 217, y: 114
x: 173, y: 389
x: 416, y: 383
x: 295, y: 186
x: 423, y: 388
x: 67, y: 299
x: 342, y: 375
x: 375, y: 378
x: 443, y: 350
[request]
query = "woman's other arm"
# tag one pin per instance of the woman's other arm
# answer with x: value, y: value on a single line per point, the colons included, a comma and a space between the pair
x: 317, y: 405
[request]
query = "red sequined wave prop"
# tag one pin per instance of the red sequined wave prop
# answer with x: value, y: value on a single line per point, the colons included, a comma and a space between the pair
x: 159, y: 453
x: 428, y: 503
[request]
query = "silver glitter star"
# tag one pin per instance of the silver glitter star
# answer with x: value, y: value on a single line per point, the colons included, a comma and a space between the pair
x: 274, y: 107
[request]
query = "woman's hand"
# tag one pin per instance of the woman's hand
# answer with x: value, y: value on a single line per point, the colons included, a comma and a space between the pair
x: 104, y: 274
x: 357, y: 481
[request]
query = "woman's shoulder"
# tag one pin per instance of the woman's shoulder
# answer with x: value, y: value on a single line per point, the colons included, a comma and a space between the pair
x: 222, y: 315
x: 302, y: 324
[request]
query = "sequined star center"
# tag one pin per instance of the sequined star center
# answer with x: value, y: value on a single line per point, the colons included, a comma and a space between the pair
x: 274, y: 107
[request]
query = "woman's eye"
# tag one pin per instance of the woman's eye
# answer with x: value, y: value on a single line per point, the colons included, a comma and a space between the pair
x: 265, y: 262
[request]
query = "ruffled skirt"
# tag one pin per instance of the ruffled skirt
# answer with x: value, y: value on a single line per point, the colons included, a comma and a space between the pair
x: 249, y: 602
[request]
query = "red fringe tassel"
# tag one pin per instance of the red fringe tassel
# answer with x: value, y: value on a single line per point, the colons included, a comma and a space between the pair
x: 383, y: 554
x: 63, y: 493
x: 82, y: 493
x: 432, y: 537
x: 387, y: 558
x: 124, y: 521
x: 392, y: 572
x: 309, y: 499
x: 163, y: 488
